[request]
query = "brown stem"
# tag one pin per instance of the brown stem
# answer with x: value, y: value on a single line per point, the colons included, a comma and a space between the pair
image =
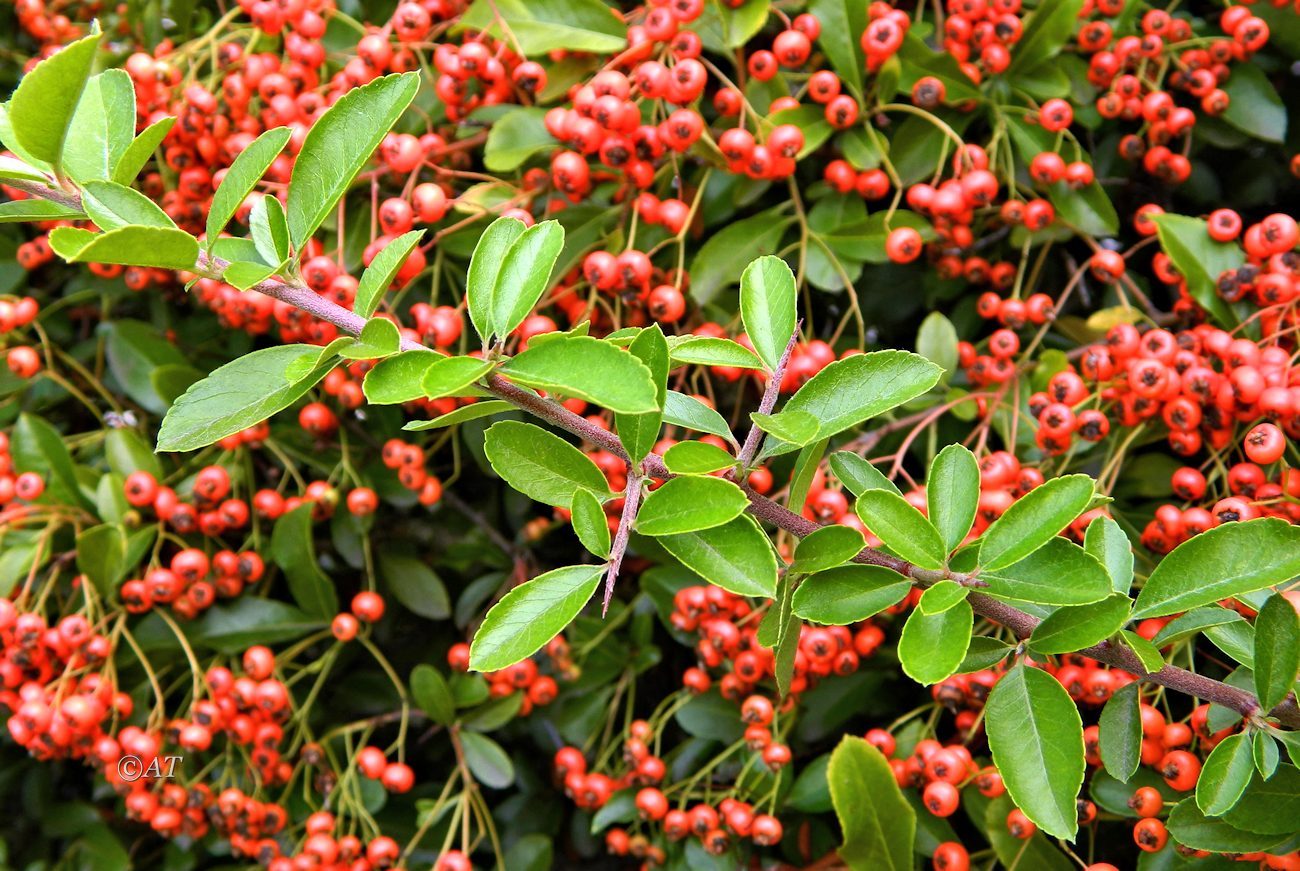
x: 1023, y: 624
x: 631, y: 500
x: 770, y: 394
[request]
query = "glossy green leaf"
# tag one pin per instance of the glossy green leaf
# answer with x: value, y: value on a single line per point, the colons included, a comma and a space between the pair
x: 933, y: 646
x: 826, y: 548
x: 711, y: 351
x: 1106, y: 541
x: 431, y: 694
x: 879, y: 825
x: 936, y: 341
x: 102, y: 127
x: 540, y: 26
x: 1049, y: 26
x: 942, y: 596
x: 1277, y: 651
x: 1147, y: 653
x: 1034, y: 520
x: 858, y: 475
x: 689, y: 412
x: 848, y: 594
x: 12, y: 167
x: 453, y: 376
x: 539, y: 464
x: 1266, y: 754
x: 1075, y: 627
x: 101, y: 557
x: 162, y: 247
x: 639, y: 432
x: 338, y: 145
x: 142, y: 148
x: 244, y: 392
x: 1036, y: 736
x: 36, y: 446
x: 1225, y: 776
x: 294, y: 551
x: 25, y: 211
x: 379, y: 338
x: 952, y: 491
x: 399, y: 378
x: 856, y: 388
x: 767, y: 307
x: 721, y: 260
x: 1120, y: 732
x: 842, y: 24
x: 1200, y: 260
x: 474, y: 411
x: 697, y: 458
x: 530, y: 615
x: 269, y: 230
x: 590, y: 523
x: 484, y: 266
x: 902, y: 528
x: 112, y: 205
x: 1058, y: 573
x: 690, y: 503
x: 794, y: 427
x: 1271, y: 806
x: 515, y: 137
x: 382, y: 270
x: 984, y: 652
x: 589, y: 369
x: 242, y: 275
x: 524, y: 275
x: 1254, y: 107
x: 1191, y: 828
x: 242, y: 176
x: 42, y: 106
x: 736, y: 556
x: 1229, y: 560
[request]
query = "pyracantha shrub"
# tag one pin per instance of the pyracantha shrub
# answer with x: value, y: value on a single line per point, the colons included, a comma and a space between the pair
x: 718, y: 434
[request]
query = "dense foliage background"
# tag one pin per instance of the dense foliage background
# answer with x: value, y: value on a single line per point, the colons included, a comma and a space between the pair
x: 1076, y: 209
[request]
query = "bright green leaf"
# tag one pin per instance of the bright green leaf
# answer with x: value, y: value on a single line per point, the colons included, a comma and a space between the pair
x: 530, y: 615
x: 690, y: 503
x: 902, y: 528
x: 736, y: 556
x: 856, y: 388
x: 590, y: 523
x: 933, y: 646
x: 1034, y: 520
x: 589, y: 369
x: 1120, y: 732
x: 826, y: 548
x: 1225, y: 776
x: 42, y: 107
x: 382, y: 270
x: 242, y: 176
x: 879, y: 825
x: 1277, y: 651
x: 697, y: 458
x: 102, y: 127
x: 453, y: 376
x: 767, y: 307
x: 849, y: 594
x: 1075, y: 627
x: 539, y: 464
x: 952, y: 491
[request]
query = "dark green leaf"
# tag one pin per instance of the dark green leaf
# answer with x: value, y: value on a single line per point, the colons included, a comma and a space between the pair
x: 1050, y: 26
x: 1277, y: 651
x: 589, y: 369
x: 736, y: 556
x: 849, y: 594
x: 984, y: 652
x: 1272, y: 806
x: 1120, y: 732
x: 1254, y: 107
x: 515, y: 137
x: 413, y: 583
x: 1194, y: 830
x: 879, y: 825
x: 842, y: 25
x: 36, y: 446
x: 721, y: 260
x: 430, y: 692
x: 1201, y: 260
x: 294, y: 552
x: 487, y: 761
x: 232, y: 628
x: 1075, y: 627
x: 639, y: 432
x: 530, y: 615
x: 1059, y: 573
x: 1034, y: 520
x: 1036, y: 737
x: 101, y: 556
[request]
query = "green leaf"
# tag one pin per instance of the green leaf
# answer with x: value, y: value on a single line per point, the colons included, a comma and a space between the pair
x: 487, y: 761
x: 1271, y: 806
x: 379, y: 338
x: 142, y: 148
x: 1254, y: 107
x: 12, y: 167
x: 453, y: 376
x: 244, y: 392
x: 1227, y: 772
x: 936, y: 341
x: 767, y: 307
x: 1120, y: 732
x: 242, y: 176
x: 399, y: 378
x: 1048, y: 29
x: 36, y: 446
x: 540, y: 26
x: 711, y: 351
x: 1277, y: 651
x: 589, y: 369
x: 688, y: 504
x: 879, y: 825
x: 856, y: 388
x: 984, y: 652
x: 826, y: 548
x: 465, y: 413
x: 1059, y: 573
x: 794, y: 428
x: 382, y: 270
x: 933, y: 646
x: 484, y: 266
x: 1189, y: 827
x: 127, y: 452
x: 789, y: 629
x: 722, y: 258
x: 639, y: 432
x: 843, y: 22
x: 1037, y: 852
x: 102, y: 127
x: 539, y: 464
x: 590, y: 522
x: 524, y: 275
x: 294, y: 552
x: 101, y: 557
x: 25, y: 211
x: 858, y: 476
x: 530, y: 615
x: 1201, y: 260
x: 1075, y: 627
x: 338, y: 145
x: 430, y: 692
x: 161, y: 247
x: 1267, y: 756
x: 849, y: 594
x: 697, y: 458
x: 42, y: 107
x: 268, y: 229
x: 1036, y: 737
x: 942, y: 596
x: 111, y: 206
x: 1146, y: 652
x: 1107, y: 542
x: 723, y: 27
x: 689, y: 412
x: 243, y: 275
x: 952, y: 492
x: 736, y: 556
x: 1034, y: 520
x: 1229, y: 560
x: 515, y: 137
x: 413, y: 583
x: 232, y: 628
x: 902, y: 528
